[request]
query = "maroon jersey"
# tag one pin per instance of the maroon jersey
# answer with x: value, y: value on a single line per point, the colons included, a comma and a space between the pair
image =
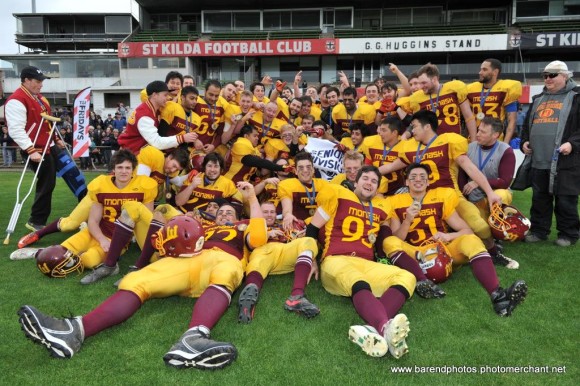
x: 440, y: 156
x: 228, y: 238
x: 348, y: 229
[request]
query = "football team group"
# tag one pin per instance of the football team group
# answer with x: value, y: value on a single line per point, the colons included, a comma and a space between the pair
x: 218, y: 191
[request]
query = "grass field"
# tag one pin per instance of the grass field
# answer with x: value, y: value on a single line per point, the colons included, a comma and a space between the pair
x: 460, y: 331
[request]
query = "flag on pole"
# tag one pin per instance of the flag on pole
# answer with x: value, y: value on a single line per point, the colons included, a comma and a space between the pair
x: 81, y: 140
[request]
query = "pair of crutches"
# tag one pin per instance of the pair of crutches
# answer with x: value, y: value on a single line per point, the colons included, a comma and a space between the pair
x: 19, y: 204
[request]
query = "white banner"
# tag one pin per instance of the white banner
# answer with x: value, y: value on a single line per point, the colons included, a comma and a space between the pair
x: 457, y: 43
x: 81, y: 140
x: 327, y: 159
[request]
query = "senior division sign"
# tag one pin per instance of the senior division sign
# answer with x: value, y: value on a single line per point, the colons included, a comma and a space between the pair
x: 230, y: 48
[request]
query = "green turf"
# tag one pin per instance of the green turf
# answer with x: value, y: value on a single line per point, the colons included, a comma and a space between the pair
x: 282, y: 348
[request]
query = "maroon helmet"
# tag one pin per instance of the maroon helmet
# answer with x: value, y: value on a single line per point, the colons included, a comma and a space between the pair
x: 436, y: 262
x: 508, y: 223
x: 182, y: 236
x: 298, y: 230
x: 57, y: 261
x: 196, y: 161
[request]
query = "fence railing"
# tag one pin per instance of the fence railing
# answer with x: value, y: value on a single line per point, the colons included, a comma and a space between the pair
x: 95, y: 161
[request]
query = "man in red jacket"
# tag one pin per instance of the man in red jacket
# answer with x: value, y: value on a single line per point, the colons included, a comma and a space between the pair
x: 23, y: 110
x: 143, y: 123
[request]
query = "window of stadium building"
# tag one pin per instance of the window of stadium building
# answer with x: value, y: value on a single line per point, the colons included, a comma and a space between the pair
x: 231, y: 21
x: 274, y: 20
x: 414, y: 16
x: 168, y: 63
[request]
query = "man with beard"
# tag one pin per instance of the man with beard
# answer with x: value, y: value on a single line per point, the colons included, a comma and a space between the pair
x: 201, y: 189
x: 493, y: 97
x: 211, y: 110
x: 352, y: 224
x: 448, y: 100
x: 348, y: 112
x: 298, y: 195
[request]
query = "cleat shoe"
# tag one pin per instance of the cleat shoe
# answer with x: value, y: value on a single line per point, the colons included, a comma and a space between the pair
x: 100, y: 272
x: 498, y: 244
x: 505, y: 301
x: 395, y: 331
x: 27, y: 240
x: 247, y: 303
x: 301, y: 305
x: 33, y: 227
x: 62, y: 337
x: 368, y: 338
x: 132, y: 268
x: 429, y: 290
x: 24, y: 253
x: 500, y: 259
x: 196, y: 349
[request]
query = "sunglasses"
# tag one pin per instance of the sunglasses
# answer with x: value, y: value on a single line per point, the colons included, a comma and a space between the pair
x: 551, y: 76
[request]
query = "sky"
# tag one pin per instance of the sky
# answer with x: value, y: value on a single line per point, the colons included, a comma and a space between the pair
x: 8, y: 22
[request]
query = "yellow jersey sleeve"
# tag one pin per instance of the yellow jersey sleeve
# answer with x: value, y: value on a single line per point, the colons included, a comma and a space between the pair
x: 327, y: 199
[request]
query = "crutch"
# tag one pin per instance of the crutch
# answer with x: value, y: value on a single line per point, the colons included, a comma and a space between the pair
x: 19, y: 204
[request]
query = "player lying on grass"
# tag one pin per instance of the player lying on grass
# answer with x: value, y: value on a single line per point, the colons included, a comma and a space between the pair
x: 283, y: 253
x: 210, y: 274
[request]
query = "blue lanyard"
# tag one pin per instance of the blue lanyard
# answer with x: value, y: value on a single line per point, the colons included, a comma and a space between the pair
x: 370, y: 212
x: 207, y: 181
x: 435, y: 106
x: 419, y: 155
x: 311, y: 199
x: 386, y: 152
x: 350, y: 122
x: 480, y: 164
x: 330, y: 115
x: 483, y: 97
x: 265, y: 132
x: 187, y: 117
x: 42, y: 106
x: 212, y: 111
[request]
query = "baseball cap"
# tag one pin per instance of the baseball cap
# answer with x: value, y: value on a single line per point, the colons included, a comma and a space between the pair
x: 156, y: 86
x: 32, y: 72
x: 557, y: 67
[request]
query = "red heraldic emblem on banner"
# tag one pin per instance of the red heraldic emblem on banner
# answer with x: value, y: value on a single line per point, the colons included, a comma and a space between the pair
x: 81, y: 140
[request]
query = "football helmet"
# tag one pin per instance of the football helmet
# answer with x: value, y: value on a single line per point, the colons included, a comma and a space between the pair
x: 508, y: 223
x: 298, y: 230
x: 57, y: 261
x: 196, y: 161
x: 435, y: 261
x: 182, y: 236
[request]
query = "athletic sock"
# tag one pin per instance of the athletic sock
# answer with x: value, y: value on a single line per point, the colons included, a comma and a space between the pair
x: 406, y: 262
x: 148, y: 249
x: 115, y: 310
x: 256, y: 278
x: 122, y: 234
x: 49, y: 229
x: 301, y: 273
x: 210, y: 306
x: 370, y: 308
x: 392, y: 300
x: 484, y: 271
